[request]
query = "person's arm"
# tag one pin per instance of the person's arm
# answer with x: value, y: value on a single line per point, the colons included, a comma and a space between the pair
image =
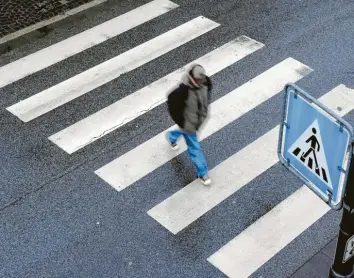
x: 208, y: 83
x: 210, y: 87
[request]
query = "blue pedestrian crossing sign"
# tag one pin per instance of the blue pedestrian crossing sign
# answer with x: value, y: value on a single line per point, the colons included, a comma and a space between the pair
x: 315, y: 144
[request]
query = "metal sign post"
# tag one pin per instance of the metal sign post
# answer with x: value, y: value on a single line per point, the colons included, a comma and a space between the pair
x: 344, y: 258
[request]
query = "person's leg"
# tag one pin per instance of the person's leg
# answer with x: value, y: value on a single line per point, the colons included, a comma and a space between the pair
x: 196, y: 154
x: 304, y: 155
x: 172, y: 137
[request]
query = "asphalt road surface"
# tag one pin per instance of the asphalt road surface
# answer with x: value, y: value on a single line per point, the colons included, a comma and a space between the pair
x: 89, y: 187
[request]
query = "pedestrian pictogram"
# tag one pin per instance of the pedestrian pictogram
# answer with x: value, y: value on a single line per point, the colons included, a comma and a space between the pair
x: 308, y: 149
x: 349, y: 250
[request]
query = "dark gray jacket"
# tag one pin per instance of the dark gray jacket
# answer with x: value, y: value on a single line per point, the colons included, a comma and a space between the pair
x: 196, y: 108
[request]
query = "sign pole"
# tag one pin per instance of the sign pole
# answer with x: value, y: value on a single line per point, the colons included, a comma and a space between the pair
x: 344, y: 258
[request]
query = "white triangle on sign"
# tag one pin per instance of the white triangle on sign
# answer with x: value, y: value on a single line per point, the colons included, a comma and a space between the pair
x: 308, y: 149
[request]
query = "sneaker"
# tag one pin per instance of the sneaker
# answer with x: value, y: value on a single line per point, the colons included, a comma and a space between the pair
x: 205, y: 180
x: 173, y: 146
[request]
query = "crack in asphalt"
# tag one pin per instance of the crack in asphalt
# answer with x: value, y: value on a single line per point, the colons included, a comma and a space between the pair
x: 118, y: 125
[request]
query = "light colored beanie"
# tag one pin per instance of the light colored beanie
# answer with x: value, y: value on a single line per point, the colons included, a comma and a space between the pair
x: 198, y: 72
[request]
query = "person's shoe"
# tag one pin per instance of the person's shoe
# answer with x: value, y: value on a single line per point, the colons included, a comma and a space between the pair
x: 205, y: 180
x: 173, y: 146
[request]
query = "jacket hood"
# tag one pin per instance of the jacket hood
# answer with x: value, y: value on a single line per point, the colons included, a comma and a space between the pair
x: 187, y: 78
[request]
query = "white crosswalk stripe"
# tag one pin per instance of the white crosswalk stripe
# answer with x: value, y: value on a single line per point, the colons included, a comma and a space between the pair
x: 259, y: 242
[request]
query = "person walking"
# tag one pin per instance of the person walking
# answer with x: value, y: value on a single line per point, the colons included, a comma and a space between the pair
x: 188, y: 107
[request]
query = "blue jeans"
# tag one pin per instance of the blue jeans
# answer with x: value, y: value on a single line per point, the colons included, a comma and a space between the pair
x: 194, y: 150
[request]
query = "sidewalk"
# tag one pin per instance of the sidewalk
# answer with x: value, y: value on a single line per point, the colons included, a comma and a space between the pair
x: 19, y: 18
x: 318, y: 266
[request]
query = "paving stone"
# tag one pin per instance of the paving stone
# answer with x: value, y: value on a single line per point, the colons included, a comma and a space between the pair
x: 18, y: 14
x: 321, y: 264
x: 305, y: 272
x: 330, y: 249
x: 318, y: 266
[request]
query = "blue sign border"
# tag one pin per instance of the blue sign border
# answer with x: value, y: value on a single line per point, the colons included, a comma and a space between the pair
x: 290, y: 87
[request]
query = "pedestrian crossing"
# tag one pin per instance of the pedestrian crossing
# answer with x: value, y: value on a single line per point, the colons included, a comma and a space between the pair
x: 270, y: 233
x: 135, y: 164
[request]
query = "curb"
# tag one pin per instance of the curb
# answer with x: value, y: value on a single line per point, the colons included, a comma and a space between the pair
x: 41, y: 29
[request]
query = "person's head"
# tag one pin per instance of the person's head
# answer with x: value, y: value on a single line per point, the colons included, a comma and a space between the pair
x: 197, y: 75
